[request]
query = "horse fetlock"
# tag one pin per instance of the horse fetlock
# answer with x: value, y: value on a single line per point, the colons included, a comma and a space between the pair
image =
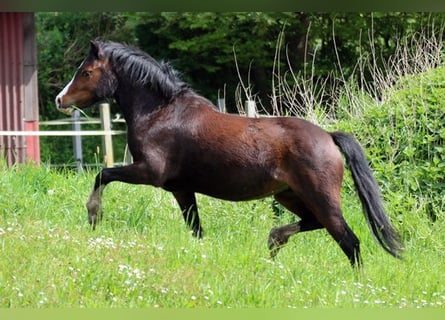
x: 277, y: 239
x: 93, y: 219
x: 94, y: 213
x: 198, y: 232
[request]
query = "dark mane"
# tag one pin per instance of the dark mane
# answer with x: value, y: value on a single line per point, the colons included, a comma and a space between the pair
x: 142, y: 69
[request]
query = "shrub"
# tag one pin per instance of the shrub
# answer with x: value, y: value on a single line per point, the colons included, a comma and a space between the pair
x: 404, y: 139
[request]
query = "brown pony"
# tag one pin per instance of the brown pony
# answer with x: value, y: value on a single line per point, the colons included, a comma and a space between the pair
x: 181, y: 143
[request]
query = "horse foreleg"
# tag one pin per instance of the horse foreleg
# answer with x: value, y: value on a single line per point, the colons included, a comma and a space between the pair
x: 187, y: 203
x: 135, y: 173
x: 94, y: 206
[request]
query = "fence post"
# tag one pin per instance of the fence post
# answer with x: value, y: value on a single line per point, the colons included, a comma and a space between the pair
x: 105, y: 120
x: 77, y: 141
x: 251, y: 108
x: 222, y: 105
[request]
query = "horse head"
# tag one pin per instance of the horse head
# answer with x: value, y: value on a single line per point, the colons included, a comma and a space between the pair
x: 92, y: 82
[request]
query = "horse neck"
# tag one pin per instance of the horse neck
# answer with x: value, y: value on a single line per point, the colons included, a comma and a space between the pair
x: 136, y: 101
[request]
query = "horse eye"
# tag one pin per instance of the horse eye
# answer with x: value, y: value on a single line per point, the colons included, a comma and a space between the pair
x: 85, y: 73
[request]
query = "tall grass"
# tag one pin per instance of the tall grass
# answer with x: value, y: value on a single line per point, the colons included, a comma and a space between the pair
x: 142, y: 255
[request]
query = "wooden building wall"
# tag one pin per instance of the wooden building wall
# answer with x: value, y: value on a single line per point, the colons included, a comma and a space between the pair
x: 18, y: 87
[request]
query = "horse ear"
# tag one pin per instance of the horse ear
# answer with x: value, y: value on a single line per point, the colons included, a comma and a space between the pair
x: 95, y: 49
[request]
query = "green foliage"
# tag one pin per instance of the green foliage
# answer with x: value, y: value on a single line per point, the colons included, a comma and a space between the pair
x: 201, y: 46
x: 418, y: 122
x: 404, y: 138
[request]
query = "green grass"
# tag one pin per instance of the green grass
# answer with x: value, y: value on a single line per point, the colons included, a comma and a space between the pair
x: 142, y: 255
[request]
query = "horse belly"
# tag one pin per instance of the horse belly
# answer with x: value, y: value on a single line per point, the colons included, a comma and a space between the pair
x: 246, y: 192
x: 228, y: 184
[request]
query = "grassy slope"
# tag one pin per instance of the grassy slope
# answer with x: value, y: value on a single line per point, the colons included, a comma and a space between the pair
x: 142, y: 254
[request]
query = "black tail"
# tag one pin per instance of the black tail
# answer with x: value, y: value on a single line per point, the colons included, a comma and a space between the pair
x: 369, y: 193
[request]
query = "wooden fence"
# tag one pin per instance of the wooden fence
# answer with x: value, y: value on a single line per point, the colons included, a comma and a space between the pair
x: 76, y: 123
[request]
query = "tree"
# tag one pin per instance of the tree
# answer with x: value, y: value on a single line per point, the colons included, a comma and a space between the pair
x: 203, y: 46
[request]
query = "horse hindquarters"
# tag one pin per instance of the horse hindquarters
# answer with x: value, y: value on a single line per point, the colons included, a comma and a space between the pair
x: 315, y: 189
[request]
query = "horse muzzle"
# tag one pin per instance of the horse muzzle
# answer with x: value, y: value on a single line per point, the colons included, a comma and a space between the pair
x: 66, y: 110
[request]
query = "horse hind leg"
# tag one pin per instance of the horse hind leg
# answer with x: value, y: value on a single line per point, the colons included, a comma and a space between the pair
x: 189, y: 208
x: 327, y: 210
x: 316, y: 213
x: 344, y: 236
x: 279, y: 236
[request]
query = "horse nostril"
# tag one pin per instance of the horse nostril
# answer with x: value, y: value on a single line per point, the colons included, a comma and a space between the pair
x: 58, y: 101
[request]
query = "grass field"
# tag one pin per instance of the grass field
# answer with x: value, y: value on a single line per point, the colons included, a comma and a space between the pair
x: 142, y: 255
